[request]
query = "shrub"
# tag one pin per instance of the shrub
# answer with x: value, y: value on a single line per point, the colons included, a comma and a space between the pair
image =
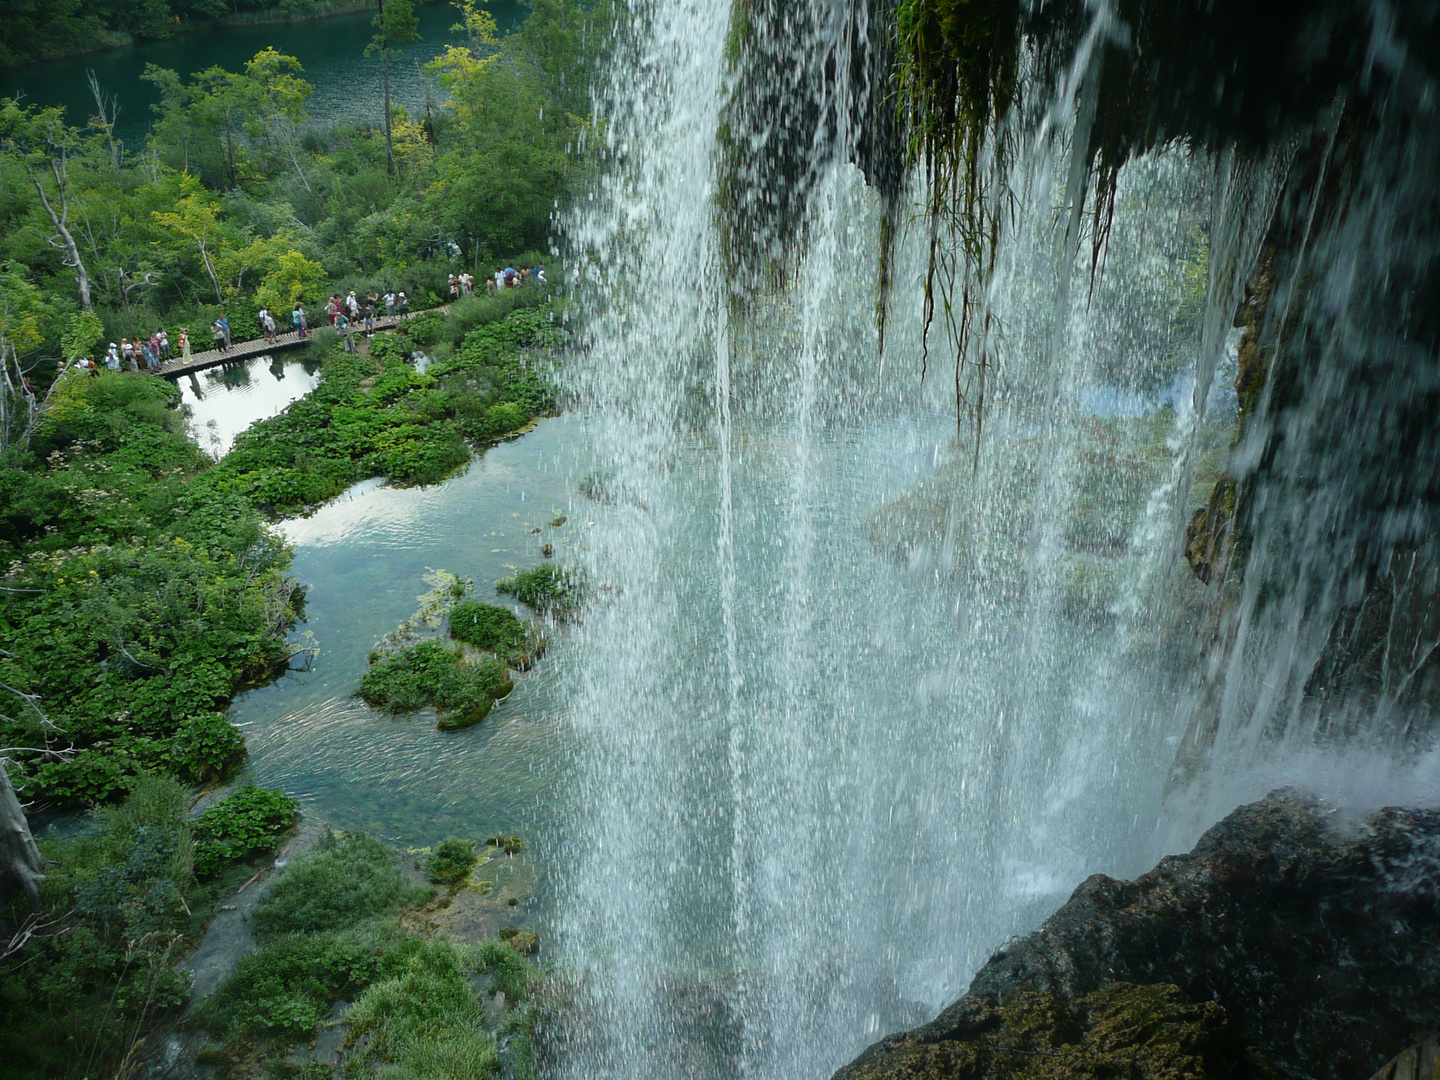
x: 486, y: 626
x: 251, y: 820
x: 549, y: 589
x: 342, y: 882
x: 290, y: 985
x: 450, y: 862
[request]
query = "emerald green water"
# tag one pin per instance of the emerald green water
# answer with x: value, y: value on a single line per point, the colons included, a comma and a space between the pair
x: 347, y: 86
x: 363, y: 558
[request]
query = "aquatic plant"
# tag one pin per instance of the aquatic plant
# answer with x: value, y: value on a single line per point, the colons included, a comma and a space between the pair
x: 549, y: 589
x: 461, y: 687
x: 486, y: 626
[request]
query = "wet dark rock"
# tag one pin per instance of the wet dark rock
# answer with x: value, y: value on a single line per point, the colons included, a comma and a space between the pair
x: 1289, y: 943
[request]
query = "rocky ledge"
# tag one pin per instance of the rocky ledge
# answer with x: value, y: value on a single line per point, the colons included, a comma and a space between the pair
x: 1291, y: 943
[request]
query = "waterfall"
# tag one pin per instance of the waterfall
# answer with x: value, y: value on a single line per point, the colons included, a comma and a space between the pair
x: 858, y: 695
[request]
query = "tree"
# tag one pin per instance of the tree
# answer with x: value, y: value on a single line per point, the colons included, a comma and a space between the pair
x: 195, y: 218
x: 277, y: 97
x: 395, y: 23
x: 294, y: 276
x: 43, y: 144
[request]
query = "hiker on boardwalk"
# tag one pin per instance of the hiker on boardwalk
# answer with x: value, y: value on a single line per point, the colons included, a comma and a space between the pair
x: 367, y: 314
x: 347, y: 330
x: 270, y: 334
x: 184, y: 339
x: 403, y: 303
x: 454, y: 288
x: 298, y: 320
x: 164, y: 347
x: 389, y: 301
x: 224, y: 324
x: 352, y: 306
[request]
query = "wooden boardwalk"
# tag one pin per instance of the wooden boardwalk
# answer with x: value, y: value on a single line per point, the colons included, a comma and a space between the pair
x: 249, y: 350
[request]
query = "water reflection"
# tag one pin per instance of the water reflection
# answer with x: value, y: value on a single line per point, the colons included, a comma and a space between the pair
x: 363, y: 558
x: 222, y: 402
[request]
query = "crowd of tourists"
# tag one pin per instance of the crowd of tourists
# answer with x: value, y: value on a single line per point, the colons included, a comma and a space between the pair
x: 507, y: 278
x: 350, y: 315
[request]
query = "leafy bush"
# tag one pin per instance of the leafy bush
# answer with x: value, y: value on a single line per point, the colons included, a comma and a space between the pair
x: 290, y: 985
x: 451, y: 861
x: 430, y: 673
x: 486, y: 626
x: 250, y: 821
x: 549, y: 589
x: 206, y: 747
x: 145, y: 597
x: 344, y: 881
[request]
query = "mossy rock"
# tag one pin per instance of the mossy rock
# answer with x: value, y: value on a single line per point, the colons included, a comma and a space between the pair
x: 459, y: 721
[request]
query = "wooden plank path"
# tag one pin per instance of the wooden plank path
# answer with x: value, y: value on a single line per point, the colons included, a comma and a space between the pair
x: 248, y: 350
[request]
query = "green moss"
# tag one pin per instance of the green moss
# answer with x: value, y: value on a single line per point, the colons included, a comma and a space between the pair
x: 451, y: 861
x: 1122, y: 1032
x: 345, y: 880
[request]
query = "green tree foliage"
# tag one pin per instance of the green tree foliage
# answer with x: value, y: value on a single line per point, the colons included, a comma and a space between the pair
x: 141, y: 597
x: 237, y: 199
x: 121, y: 904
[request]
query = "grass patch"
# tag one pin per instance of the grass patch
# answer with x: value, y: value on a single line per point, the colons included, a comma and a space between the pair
x: 344, y: 881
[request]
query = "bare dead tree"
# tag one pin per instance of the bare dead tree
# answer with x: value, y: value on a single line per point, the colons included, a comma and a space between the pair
x: 107, y: 112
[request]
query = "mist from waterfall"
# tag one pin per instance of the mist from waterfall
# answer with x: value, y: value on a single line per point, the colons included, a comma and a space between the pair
x: 861, y: 692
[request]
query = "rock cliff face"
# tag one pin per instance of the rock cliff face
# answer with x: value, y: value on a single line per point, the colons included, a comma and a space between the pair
x: 1290, y: 943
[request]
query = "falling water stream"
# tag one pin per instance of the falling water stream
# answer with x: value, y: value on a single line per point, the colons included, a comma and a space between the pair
x: 858, y: 698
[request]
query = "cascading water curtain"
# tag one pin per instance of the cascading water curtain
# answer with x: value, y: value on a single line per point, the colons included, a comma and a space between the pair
x: 855, y: 698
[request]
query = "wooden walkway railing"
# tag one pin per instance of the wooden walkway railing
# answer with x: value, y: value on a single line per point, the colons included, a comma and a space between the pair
x: 248, y: 350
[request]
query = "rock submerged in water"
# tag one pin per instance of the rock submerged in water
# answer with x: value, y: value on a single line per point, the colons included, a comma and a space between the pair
x: 1286, y: 944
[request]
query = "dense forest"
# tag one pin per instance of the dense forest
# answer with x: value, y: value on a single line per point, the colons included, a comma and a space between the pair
x: 240, y: 198
x: 39, y: 29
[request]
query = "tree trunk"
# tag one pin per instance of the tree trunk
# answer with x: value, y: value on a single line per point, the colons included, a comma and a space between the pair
x: 59, y: 221
x: 230, y: 150
x: 20, y: 862
x: 385, y: 77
